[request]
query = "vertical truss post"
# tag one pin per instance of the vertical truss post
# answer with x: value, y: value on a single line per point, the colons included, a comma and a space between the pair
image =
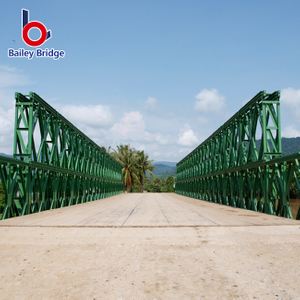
x: 232, y: 167
x: 54, y: 164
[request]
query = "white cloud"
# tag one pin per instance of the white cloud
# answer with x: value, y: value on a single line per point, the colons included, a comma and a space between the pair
x: 161, y: 139
x: 95, y: 116
x: 157, y: 154
x: 290, y: 131
x: 187, y: 137
x: 291, y: 98
x: 209, y: 101
x: 132, y: 126
x: 7, y: 98
x: 6, y: 121
x: 6, y: 131
x: 150, y: 104
x: 10, y: 78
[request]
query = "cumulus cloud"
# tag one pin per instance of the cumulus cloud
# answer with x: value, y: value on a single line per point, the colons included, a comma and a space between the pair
x: 131, y: 126
x: 95, y: 116
x: 290, y: 97
x: 150, y: 104
x: 209, y: 101
x: 162, y: 139
x: 187, y: 137
x: 290, y: 131
x: 7, y: 98
x: 6, y: 131
x: 10, y: 78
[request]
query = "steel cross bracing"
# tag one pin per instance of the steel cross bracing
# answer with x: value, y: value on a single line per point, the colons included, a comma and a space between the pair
x: 54, y: 163
x: 232, y: 167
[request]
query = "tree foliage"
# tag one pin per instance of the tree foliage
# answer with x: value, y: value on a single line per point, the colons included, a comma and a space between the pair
x: 144, y: 166
x: 135, y: 165
x: 2, y: 198
x: 294, y: 190
x: 159, y: 185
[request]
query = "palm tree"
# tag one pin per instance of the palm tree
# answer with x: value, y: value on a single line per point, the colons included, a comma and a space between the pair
x: 107, y: 149
x: 126, y: 156
x: 144, y: 165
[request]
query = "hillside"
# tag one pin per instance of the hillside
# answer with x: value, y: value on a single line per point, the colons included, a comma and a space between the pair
x: 7, y: 155
x: 162, y: 168
x: 289, y: 145
x: 167, y: 163
x: 167, y: 174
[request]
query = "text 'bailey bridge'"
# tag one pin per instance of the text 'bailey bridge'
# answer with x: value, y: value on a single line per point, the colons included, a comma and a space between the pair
x: 56, y: 165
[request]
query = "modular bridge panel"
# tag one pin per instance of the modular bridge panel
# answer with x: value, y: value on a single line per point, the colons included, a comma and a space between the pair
x: 233, y: 167
x: 54, y: 163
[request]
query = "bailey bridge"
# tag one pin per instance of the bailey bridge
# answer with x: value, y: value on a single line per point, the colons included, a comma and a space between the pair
x: 69, y: 232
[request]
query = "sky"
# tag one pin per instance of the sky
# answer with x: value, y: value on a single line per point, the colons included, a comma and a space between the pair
x: 161, y: 75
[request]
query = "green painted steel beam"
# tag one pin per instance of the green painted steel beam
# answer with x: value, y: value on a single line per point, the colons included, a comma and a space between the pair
x: 231, y: 168
x: 54, y: 164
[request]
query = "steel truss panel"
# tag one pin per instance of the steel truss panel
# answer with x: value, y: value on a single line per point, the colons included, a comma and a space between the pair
x: 54, y: 164
x: 230, y: 167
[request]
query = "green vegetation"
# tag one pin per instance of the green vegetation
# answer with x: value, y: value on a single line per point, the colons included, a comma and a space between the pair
x: 144, y: 166
x: 159, y: 185
x: 161, y: 168
x: 163, y: 171
x: 289, y: 145
x: 294, y: 190
x: 167, y: 174
x: 2, y: 198
x: 135, y: 165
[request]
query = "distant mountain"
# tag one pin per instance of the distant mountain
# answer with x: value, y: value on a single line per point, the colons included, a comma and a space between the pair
x: 7, y: 155
x: 167, y: 163
x: 289, y: 145
x: 165, y: 175
x: 162, y: 168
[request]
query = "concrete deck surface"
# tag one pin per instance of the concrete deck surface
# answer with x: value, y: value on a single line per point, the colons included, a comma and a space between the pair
x: 149, y: 246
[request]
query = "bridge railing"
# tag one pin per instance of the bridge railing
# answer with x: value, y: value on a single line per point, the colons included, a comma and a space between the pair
x: 231, y: 167
x: 54, y: 163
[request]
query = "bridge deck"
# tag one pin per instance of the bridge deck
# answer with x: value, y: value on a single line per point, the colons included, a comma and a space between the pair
x: 147, y: 210
x: 149, y: 246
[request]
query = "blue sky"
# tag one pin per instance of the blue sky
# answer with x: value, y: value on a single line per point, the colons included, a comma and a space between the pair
x: 160, y: 75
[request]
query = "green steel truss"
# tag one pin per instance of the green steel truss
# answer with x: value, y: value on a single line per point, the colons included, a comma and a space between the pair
x: 54, y: 163
x: 230, y: 167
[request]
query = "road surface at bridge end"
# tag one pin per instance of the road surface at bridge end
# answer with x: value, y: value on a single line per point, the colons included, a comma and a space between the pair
x: 149, y: 246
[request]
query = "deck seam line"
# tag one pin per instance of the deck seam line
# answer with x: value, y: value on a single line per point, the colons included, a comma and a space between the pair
x: 129, y: 216
x: 162, y: 211
x: 144, y: 226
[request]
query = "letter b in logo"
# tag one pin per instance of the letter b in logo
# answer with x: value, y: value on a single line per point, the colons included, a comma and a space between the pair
x: 26, y: 26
